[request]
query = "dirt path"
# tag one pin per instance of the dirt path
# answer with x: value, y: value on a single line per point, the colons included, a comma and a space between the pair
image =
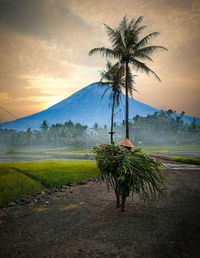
x: 83, y: 222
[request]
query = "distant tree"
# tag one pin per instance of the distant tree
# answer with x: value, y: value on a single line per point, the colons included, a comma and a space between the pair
x: 29, y: 136
x: 57, y: 129
x: 44, y: 126
x: 194, y: 125
x: 182, y: 113
x: 69, y: 124
x: 96, y: 126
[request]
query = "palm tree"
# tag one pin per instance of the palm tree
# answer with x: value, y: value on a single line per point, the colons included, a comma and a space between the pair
x: 131, y: 51
x: 113, y: 77
x: 44, y: 126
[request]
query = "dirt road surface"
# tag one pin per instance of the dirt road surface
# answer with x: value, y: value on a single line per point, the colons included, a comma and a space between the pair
x: 84, y: 222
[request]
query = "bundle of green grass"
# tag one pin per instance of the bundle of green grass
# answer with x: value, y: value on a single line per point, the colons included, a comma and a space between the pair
x: 130, y: 171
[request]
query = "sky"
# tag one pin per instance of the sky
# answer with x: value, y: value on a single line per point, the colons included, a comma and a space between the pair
x: 44, y: 47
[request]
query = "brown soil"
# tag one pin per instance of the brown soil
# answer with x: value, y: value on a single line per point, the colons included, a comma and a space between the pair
x: 83, y: 222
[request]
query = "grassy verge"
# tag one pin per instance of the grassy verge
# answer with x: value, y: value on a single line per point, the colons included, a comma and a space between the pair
x: 193, y: 161
x: 36, y: 175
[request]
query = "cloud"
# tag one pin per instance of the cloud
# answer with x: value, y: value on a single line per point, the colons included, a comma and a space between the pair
x: 45, y: 44
x: 49, y: 20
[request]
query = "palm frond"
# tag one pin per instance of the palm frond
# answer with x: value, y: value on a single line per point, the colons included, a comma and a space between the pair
x: 131, y: 24
x: 138, y: 21
x: 123, y: 24
x: 102, y: 84
x: 107, y: 52
x: 130, y: 39
x: 140, y: 29
x: 143, y: 56
x: 148, y: 50
x: 114, y: 36
x: 145, y: 40
x: 130, y: 80
x: 118, y: 41
x: 113, y: 75
x: 140, y: 66
x: 104, y: 92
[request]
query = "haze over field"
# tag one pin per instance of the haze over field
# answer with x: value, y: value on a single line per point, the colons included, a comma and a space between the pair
x: 45, y: 43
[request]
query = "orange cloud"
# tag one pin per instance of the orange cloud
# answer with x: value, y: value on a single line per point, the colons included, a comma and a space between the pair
x: 45, y: 43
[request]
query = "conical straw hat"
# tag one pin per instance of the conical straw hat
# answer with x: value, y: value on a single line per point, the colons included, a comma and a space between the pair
x: 126, y: 143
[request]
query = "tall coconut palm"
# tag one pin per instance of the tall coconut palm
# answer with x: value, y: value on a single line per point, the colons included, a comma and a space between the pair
x: 113, y: 77
x: 131, y: 50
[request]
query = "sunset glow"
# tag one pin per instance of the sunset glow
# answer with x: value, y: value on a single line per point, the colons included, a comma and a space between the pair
x: 45, y: 60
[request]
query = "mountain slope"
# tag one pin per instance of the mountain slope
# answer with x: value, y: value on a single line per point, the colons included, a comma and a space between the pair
x: 87, y: 107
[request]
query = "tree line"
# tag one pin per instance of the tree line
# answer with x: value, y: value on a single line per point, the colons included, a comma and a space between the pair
x: 162, y: 128
x: 156, y: 129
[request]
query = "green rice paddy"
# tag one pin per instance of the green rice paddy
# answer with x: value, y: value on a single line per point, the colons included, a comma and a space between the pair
x: 15, y: 186
x: 20, y: 179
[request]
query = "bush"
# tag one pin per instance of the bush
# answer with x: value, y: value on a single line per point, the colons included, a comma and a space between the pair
x: 130, y: 171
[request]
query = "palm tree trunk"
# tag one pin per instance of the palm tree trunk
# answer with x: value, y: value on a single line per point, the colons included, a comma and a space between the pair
x: 112, y: 118
x: 127, y: 110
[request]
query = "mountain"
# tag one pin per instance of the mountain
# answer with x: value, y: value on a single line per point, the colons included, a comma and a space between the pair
x: 87, y: 107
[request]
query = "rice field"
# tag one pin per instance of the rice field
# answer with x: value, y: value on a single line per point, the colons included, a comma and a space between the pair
x: 15, y: 186
x: 20, y: 179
